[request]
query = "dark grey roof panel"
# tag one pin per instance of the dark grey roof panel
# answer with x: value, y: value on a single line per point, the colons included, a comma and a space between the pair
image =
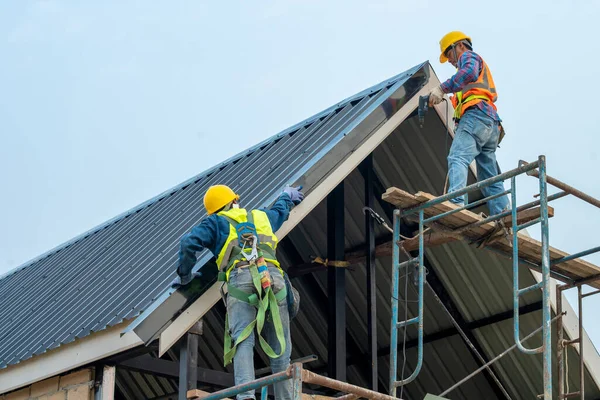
x: 115, y: 271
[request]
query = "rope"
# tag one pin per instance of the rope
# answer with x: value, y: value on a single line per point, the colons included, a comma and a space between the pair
x: 330, y: 263
x: 499, y: 232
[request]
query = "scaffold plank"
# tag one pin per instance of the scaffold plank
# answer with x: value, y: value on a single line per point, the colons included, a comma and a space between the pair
x: 456, y: 226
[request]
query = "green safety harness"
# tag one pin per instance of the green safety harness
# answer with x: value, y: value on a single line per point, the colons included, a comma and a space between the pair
x: 461, y: 102
x: 249, y: 250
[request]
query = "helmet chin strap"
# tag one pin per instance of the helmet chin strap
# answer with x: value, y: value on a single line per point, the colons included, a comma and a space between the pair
x: 455, y: 54
x: 231, y: 205
x: 465, y: 43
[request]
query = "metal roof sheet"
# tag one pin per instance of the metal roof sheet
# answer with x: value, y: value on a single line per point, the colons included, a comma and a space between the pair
x: 116, y: 270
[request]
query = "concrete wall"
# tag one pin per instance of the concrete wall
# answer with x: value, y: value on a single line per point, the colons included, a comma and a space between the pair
x: 78, y: 385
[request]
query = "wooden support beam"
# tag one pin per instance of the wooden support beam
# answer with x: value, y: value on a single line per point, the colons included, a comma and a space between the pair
x: 381, y: 250
x: 188, y: 361
x: 108, y: 382
x: 336, y: 286
x: 170, y: 369
x: 435, y: 238
x: 197, y: 393
x: 368, y: 173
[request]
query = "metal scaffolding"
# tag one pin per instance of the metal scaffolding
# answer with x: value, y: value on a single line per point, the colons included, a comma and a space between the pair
x: 429, y: 217
x: 298, y: 375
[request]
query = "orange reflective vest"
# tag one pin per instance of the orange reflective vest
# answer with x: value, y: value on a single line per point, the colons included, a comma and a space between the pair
x: 483, y: 89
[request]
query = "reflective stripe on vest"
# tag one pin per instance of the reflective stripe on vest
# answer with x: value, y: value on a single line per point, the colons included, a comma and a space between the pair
x: 231, y: 248
x: 483, y: 89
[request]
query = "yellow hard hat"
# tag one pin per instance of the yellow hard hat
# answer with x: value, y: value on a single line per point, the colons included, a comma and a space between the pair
x: 448, y: 40
x: 217, y: 197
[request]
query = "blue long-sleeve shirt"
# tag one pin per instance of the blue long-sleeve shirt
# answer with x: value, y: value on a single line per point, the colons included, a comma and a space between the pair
x: 469, y: 68
x: 213, y: 231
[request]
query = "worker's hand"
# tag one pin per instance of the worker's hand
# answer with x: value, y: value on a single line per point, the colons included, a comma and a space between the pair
x: 179, y: 281
x: 436, y: 96
x: 295, y: 194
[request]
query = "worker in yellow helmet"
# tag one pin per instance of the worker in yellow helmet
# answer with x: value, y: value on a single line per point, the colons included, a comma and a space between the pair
x: 478, y: 130
x: 259, y: 292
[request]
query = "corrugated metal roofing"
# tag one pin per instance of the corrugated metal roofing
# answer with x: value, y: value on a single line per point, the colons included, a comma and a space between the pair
x: 115, y: 271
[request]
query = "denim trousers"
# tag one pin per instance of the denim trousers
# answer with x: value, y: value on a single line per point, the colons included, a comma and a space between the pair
x: 240, y: 315
x: 476, y: 138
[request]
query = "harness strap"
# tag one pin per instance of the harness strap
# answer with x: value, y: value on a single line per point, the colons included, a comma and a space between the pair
x: 269, y: 302
x: 236, y: 252
x: 461, y: 102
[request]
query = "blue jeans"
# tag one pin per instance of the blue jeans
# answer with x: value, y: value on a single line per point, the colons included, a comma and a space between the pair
x: 240, y: 315
x: 476, y: 138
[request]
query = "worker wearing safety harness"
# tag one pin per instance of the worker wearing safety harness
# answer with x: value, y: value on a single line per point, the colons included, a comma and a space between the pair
x: 260, y: 299
x: 479, y: 130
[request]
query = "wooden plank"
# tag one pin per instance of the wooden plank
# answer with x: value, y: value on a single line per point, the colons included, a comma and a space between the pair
x: 306, y: 396
x: 529, y: 248
x: 197, y: 393
x: 435, y: 238
x: 108, y: 383
x: 382, y: 250
x: 457, y: 220
x: 400, y: 198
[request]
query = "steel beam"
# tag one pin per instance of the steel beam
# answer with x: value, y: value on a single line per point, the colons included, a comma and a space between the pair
x: 336, y: 285
x: 188, y: 362
x: 366, y: 169
x: 170, y: 369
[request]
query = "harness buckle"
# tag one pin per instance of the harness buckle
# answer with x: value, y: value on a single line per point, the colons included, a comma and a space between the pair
x: 253, y: 240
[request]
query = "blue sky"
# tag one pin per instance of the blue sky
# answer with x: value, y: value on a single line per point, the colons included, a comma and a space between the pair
x: 104, y: 105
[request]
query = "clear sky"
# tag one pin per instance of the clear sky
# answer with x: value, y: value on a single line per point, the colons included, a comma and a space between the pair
x: 104, y: 105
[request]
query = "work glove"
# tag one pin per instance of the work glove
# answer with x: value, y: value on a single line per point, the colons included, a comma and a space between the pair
x: 179, y: 281
x: 295, y: 194
x: 436, y: 96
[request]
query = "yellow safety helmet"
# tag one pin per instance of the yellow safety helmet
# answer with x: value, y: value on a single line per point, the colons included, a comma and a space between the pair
x: 217, y: 197
x: 448, y: 40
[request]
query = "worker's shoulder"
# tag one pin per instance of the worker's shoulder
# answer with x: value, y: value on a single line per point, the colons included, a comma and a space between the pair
x: 471, y: 54
x: 212, y: 219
